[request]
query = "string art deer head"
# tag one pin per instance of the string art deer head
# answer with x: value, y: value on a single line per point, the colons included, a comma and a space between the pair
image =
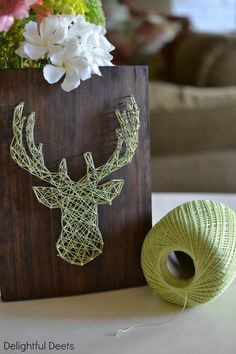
x: 80, y: 240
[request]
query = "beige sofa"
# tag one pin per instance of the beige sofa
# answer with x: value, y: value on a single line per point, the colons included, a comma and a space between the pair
x: 193, y: 138
x: 193, y: 116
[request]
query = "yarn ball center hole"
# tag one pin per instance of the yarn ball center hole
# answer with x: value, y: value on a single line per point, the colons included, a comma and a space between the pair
x: 180, y: 265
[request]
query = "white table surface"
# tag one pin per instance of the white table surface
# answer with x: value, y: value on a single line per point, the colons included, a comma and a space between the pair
x: 89, y: 321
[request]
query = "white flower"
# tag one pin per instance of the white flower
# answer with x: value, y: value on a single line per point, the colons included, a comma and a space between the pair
x: 79, y: 28
x: 95, y: 50
x: 52, y: 33
x: 70, y: 63
x: 95, y: 47
x: 75, y: 48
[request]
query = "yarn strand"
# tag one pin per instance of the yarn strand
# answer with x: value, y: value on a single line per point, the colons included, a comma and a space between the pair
x: 122, y: 331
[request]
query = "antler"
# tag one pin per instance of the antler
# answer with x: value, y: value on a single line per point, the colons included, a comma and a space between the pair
x: 33, y: 163
x: 127, y: 143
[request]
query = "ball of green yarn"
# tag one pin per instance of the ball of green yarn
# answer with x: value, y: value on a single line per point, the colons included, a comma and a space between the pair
x: 203, y: 233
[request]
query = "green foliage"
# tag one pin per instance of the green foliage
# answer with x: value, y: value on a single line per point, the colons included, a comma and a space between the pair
x: 66, y: 7
x: 91, y: 9
x: 94, y: 13
x: 9, y: 42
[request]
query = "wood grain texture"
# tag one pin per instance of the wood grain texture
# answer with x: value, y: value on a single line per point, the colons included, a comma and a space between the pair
x: 69, y: 124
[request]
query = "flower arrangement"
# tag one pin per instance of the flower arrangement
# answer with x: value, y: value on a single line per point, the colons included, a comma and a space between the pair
x: 65, y: 38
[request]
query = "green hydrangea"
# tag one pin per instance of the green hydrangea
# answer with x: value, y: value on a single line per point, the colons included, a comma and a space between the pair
x: 94, y: 12
x: 66, y: 7
x: 91, y: 9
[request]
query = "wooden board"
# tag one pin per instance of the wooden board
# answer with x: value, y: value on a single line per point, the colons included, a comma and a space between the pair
x: 69, y: 124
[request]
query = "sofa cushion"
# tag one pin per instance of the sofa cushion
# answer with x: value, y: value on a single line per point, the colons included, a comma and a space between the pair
x: 213, y: 171
x: 188, y: 119
x: 203, y: 59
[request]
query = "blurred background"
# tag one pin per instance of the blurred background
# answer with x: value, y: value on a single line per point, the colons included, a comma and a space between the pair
x: 190, y: 49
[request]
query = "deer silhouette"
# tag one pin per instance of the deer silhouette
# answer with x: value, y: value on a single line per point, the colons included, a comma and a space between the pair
x: 80, y: 240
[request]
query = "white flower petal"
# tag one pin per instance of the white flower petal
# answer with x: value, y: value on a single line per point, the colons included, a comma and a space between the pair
x: 77, y: 62
x: 92, y: 40
x: 95, y: 70
x: 59, y: 35
x: 99, y: 52
x: 67, y: 19
x: 31, y: 33
x: 47, y: 27
x: 20, y: 51
x: 81, y: 28
x: 108, y: 63
x: 105, y: 44
x: 79, y: 19
x: 71, y: 81
x: 72, y: 48
x: 58, y: 58
x: 52, y: 73
x: 52, y: 30
x: 55, y: 48
x: 59, y: 55
x: 33, y: 51
x: 100, y: 29
x: 85, y: 73
x: 86, y: 58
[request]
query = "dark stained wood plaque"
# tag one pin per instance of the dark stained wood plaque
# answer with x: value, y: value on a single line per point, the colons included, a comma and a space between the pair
x: 69, y: 124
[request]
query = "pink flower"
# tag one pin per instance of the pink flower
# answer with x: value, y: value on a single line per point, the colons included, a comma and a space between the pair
x: 9, y: 9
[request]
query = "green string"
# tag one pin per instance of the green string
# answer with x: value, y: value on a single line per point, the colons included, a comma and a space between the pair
x: 122, y: 331
x: 206, y: 232
x: 80, y: 240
